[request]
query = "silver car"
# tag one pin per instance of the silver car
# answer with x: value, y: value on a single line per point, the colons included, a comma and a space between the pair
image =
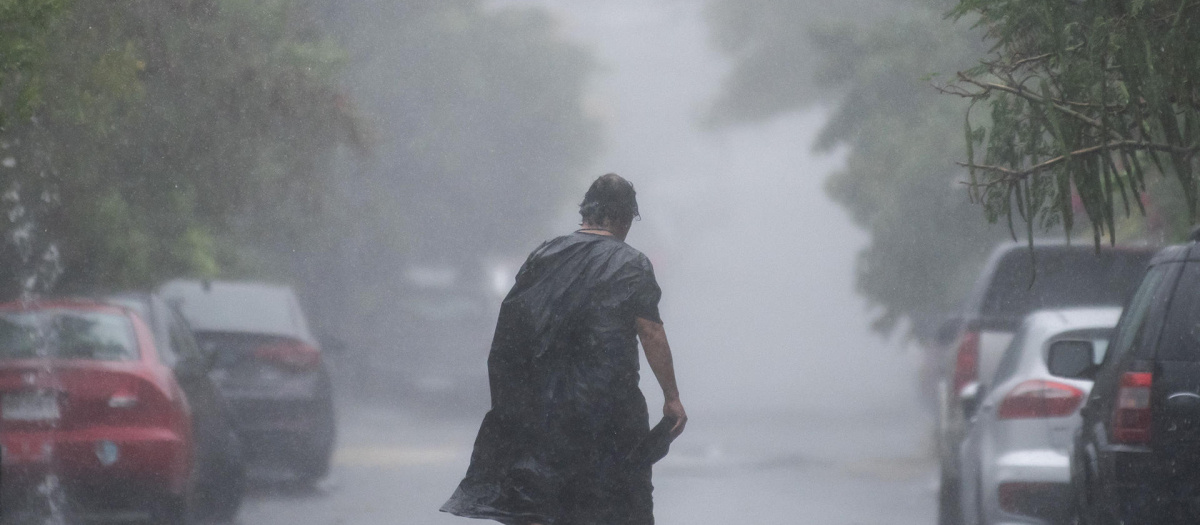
x: 1015, y: 457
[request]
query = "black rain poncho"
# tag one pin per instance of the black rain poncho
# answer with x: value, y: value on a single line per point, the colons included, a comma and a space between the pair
x: 566, y: 408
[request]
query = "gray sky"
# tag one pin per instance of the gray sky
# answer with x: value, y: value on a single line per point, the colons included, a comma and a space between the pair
x: 756, y: 262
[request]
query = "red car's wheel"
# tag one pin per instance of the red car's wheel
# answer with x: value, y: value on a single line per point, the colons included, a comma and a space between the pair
x: 170, y: 510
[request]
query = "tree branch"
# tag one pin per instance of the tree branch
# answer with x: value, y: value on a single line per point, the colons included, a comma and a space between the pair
x: 1011, y: 174
x: 989, y: 86
x: 1026, y: 60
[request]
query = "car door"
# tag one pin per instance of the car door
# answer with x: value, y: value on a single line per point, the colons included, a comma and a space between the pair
x: 972, y: 450
x: 209, y: 413
x: 1177, y: 371
x: 1135, y: 335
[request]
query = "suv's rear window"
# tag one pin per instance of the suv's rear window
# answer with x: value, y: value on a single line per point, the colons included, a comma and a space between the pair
x: 1064, y: 277
x: 66, y: 334
x: 1180, y: 340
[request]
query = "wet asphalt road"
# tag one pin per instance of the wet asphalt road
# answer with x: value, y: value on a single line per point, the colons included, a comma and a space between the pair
x: 397, y: 465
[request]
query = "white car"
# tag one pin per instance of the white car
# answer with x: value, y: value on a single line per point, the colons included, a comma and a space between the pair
x: 1015, y: 457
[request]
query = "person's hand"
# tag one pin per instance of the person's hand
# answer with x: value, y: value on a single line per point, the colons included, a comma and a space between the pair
x: 674, y: 409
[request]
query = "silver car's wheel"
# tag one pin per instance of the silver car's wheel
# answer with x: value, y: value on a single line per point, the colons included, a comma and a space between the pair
x: 948, y: 502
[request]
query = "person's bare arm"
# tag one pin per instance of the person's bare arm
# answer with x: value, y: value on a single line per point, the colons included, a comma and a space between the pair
x: 658, y: 354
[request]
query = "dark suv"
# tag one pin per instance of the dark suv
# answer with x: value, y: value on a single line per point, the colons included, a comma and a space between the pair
x: 1137, y: 455
x: 1013, y: 283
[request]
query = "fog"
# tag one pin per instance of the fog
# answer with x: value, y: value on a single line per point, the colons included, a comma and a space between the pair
x: 259, y: 259
x: 756, y: 262
x: 368, y: 176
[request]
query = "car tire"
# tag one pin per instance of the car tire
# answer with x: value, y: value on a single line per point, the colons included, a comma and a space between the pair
x: 1079, y: 516
x: 171, y: 510
x: 314, y: 466
x: 222, y: 485
x: 1079, y: 488
x: 949, y: 507
x: 314, y: 462
x: 225, y: 499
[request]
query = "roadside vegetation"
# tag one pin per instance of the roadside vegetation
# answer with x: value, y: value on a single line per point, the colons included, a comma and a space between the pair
x: 278, y: 139
x: 1045, y: 119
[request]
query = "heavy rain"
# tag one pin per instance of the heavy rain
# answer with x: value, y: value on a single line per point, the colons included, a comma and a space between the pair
x: 268, y: 262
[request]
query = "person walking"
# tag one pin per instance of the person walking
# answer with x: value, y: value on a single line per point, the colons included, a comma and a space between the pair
x: 558, y: 446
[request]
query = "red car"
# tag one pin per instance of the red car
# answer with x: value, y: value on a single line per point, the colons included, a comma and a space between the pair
x: 96, y: 411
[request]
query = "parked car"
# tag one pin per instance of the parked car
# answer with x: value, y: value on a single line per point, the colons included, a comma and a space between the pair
x: 1013, y: 283
x: 1137, y: 455
x: 1015, y: 456
x: 269, y: 366
x: 110, y: 401
x: 220, y: 469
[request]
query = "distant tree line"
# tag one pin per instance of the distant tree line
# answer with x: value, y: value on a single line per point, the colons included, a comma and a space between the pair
x: 478, y: 138
x: 319, y: 142
x: 1073, y: 94
x: 865, y: 61
x: 138, y: 134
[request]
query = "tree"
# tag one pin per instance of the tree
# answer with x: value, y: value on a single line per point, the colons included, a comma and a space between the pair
x: 870, y: 62
x: 323, y: 143
x: 1087, y: 100
x: 776, y: 61
x: 478, y: 133
x: 160, y: 130
x: 31, y: 262
x: 477, y: 117
x: 21, y: 21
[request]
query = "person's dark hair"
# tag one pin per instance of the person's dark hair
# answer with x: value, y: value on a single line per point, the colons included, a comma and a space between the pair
x: 610, y: 200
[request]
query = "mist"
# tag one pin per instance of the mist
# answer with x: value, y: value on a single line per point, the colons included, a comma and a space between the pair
x: 756, y: 262
x: 361, y: 185
x: 316, y: 262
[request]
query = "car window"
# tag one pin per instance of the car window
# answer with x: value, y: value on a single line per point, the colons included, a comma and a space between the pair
x: 66, y: 334
x: 1063, y: 277
x: 1100, y: 349
x: 1180, y: 339
x: 181, y: 338
x: 141, y: 307
x: 1133, y: 322
x: 1012, y: 356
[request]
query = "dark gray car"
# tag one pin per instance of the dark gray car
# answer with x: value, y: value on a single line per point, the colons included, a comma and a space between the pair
x: 1135, y: 457
x: 268, y: 365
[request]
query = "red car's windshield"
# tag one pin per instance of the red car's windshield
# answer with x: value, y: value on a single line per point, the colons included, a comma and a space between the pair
x: 66, y: 334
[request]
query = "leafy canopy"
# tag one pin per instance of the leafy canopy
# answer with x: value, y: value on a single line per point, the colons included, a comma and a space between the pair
x: 147, y: 130
x: 1086, y: 99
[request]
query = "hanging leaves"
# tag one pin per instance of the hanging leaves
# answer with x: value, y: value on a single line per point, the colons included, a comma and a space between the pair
x: 1081, y: 94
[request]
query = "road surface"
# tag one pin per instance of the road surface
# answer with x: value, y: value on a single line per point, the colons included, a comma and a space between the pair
x: 396, y: 465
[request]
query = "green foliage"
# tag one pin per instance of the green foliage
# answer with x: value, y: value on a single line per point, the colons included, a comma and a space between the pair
x: 319, y: 142
x: 21, y: 46
x: 161, y: 126
x: 1087, y: 100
